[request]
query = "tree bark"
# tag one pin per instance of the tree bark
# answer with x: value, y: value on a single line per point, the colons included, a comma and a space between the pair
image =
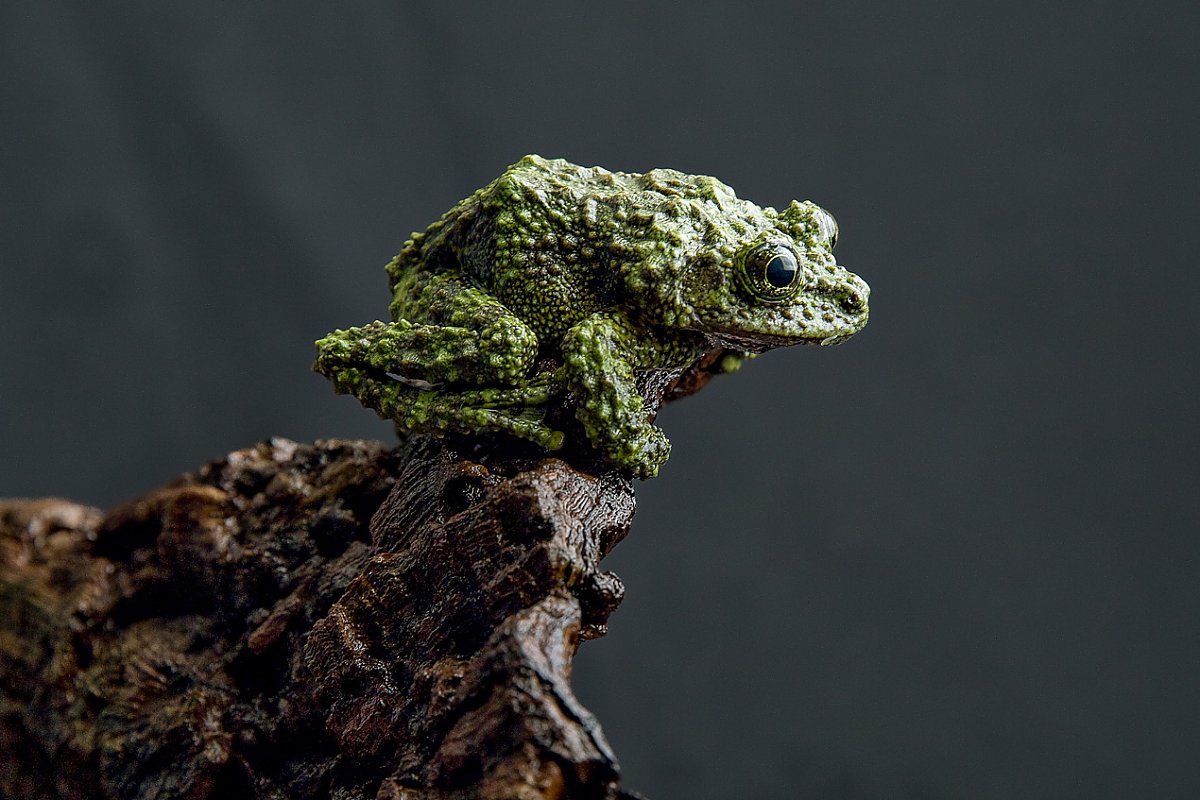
x: 329, y: 620
x: 336, y: 620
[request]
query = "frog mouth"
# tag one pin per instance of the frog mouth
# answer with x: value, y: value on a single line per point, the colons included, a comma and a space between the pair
x: 751, y: 342
x: 758, y: 335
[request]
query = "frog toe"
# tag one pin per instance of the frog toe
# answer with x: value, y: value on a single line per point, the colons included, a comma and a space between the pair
x: 641, y: 453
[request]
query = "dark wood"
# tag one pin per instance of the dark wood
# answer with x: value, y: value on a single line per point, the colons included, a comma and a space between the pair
x: 330, y: 620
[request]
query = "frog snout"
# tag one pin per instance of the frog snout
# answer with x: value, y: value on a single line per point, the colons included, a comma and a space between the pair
x: 852, y: 300
x: 852, y: 294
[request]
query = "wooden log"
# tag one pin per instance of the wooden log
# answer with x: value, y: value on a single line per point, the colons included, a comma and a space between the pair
x: 335, y: 620
x: 338, y: 620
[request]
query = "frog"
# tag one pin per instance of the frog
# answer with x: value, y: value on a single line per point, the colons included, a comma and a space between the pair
x: 581, y: 285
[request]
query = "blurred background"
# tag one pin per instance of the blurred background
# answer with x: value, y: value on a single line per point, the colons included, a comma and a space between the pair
x: 955, y: 557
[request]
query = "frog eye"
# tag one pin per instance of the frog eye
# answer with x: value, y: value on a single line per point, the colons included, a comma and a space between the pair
x: 827, y: 226
x: 782, y: 269
x: 772, y: 272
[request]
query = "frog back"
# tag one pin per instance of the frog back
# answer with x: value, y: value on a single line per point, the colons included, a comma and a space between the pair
x: 556, y: 242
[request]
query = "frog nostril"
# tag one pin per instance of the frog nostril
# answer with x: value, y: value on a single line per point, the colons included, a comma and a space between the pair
x: 852, y: 293
x: 852, y: 299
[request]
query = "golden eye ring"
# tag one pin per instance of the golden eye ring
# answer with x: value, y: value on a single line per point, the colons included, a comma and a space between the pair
x: 771, y: 271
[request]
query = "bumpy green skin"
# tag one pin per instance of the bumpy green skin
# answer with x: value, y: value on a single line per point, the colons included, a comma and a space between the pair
x: 607, y: 274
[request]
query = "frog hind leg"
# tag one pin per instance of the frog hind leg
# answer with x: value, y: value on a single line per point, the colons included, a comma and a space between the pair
x: 446, y: 331
x: 454, y: 359
x: 515, y: 411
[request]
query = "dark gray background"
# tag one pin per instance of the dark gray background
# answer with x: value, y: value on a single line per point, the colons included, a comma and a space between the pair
x: 956, y: 557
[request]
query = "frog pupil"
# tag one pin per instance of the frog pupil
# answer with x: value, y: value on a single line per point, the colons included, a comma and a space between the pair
x: 782, y: 270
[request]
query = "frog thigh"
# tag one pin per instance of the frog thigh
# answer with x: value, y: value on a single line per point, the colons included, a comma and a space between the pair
x: 450, y: 332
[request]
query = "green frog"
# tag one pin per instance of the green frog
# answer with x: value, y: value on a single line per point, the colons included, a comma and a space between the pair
x: 557, y: 281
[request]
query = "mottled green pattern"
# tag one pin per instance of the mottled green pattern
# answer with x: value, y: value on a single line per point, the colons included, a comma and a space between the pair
x: 610, y: 275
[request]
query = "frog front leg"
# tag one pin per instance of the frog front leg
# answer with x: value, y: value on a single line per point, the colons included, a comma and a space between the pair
x: 601, y: 356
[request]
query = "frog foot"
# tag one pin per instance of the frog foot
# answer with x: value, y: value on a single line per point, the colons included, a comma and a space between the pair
x: 641, y: 451
x: 517, y: 411
x: 536, y: 392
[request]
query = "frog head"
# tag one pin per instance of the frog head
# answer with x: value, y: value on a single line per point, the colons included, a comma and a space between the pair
x: 772, y: 281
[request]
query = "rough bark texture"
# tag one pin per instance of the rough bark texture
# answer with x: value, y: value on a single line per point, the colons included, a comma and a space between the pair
x: 334, y: 620
x: 329, y: 620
